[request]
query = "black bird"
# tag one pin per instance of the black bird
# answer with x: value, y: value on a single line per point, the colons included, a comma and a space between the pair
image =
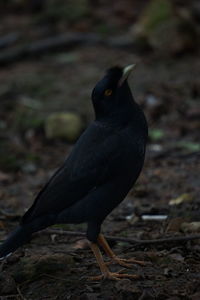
x: 103, y: 166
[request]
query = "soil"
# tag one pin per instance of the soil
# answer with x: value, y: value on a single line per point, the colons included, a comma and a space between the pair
x: 54, y: 266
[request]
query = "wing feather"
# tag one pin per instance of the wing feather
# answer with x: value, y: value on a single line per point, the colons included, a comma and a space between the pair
x: 92, y: 162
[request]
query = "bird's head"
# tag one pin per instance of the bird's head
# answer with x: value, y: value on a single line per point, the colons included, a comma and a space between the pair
x: 112, y: 91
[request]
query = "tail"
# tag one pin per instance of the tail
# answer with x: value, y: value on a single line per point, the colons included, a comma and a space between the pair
x: 22, y: 234
x: 16, y: 239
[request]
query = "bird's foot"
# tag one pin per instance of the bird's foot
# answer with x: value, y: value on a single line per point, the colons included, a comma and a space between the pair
x: 113, y: 276
x: 127, y: 263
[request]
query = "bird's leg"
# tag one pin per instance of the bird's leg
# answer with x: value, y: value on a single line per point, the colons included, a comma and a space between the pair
x: 121, y: 261
x: 106, y: 274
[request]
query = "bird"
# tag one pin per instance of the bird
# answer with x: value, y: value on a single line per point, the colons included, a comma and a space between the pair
x: 97, y: 175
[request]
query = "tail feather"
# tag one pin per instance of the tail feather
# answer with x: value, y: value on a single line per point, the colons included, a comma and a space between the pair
x: 16, y: 239
x: 22, y: 234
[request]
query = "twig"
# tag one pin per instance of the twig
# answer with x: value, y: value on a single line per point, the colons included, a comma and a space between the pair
x: 59, y: 42
x: 128, y: 240
x: 143, y: 296
x: 43, y: 46
x: 9, y: 296
x: 8, y: 39
x: 20, y: 294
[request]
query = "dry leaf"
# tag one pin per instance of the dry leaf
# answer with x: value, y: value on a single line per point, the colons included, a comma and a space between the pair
x: 81, y: 244
x: 186, y: 197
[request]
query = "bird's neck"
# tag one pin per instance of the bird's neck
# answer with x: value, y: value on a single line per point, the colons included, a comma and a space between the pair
x: 118, y: 117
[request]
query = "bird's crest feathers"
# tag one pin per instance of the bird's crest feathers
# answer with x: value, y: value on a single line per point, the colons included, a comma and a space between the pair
x: 115, y: 72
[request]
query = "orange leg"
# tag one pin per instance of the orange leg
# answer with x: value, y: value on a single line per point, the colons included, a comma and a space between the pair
x: 121, y: 261
x: 106, y: 274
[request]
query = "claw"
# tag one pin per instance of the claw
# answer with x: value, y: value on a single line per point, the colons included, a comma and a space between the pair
x: 106, y: 274
x: 122, y: 262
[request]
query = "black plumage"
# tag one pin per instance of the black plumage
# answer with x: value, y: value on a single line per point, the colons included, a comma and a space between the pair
x: 99, y: 172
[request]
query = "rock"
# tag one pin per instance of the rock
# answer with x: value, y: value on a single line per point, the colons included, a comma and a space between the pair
x: 66, y: 125
x: 163, y: 29
x: 32, y: 267
x: 190, y: 227
x: 29, y: 168
x: 177, y: 256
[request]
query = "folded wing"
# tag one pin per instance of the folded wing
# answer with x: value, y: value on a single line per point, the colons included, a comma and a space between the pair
x: 94, y: 159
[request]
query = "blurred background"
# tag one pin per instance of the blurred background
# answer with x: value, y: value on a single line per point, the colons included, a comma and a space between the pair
x: 52, y: 53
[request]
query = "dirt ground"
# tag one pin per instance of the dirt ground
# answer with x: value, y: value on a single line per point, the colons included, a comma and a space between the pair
x: 59, y: 266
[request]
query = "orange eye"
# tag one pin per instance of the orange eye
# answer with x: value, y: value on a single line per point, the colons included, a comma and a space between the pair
x: 108, y: 92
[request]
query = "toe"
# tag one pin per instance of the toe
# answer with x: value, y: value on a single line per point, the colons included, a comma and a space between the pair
x: 113, y: 276
x: 124, y: 264
x: 133, y: 261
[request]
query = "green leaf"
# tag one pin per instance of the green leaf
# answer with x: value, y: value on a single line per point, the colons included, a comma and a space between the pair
x: 156, y: 134
x: 189, y: 146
